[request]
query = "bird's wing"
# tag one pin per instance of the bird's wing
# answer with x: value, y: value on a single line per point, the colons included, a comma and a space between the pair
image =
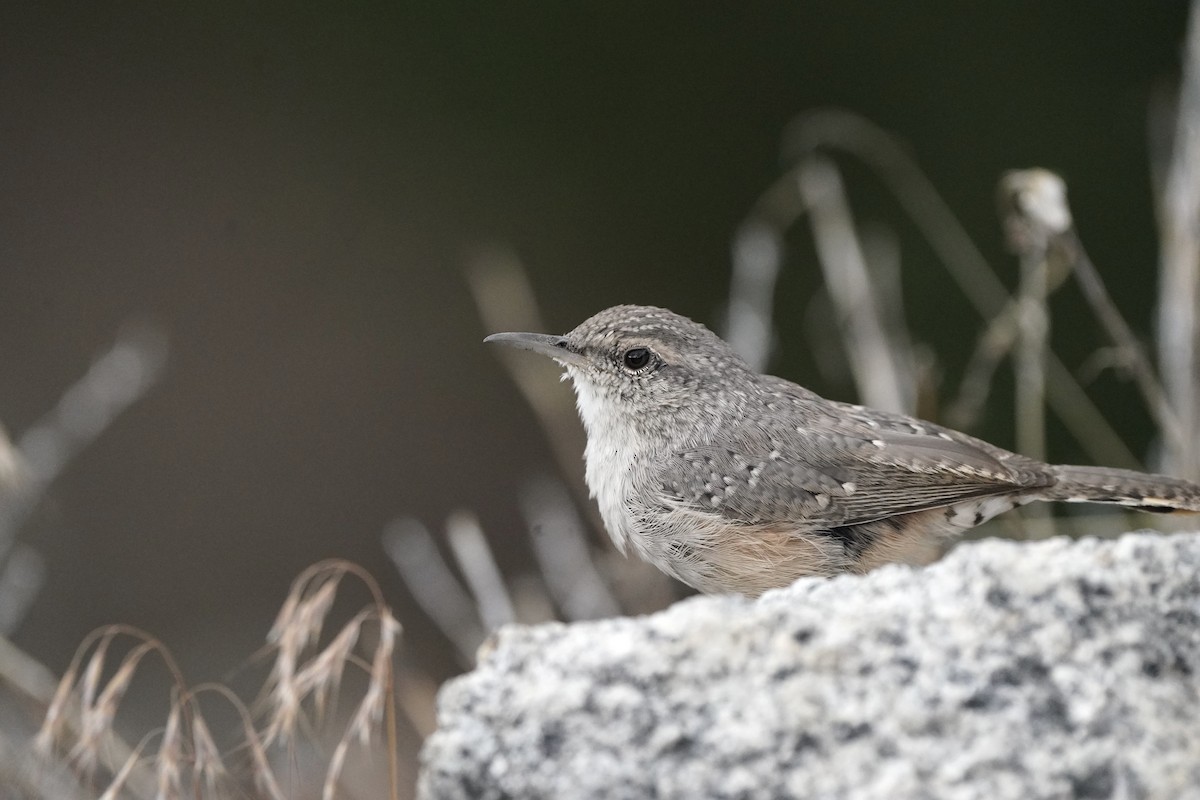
x: 848, y: 467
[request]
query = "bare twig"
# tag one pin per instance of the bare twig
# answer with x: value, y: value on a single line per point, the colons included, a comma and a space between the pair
x: 561, y: 547
x: 21, y: 578
x: 411, y: 547
x: 1040, y: 221
x: 474, y: 557
x: 779, y: 207
x: 881, y: 250
x: 116, y: 380
x: 506, y: 302
x: 1179, y: 269
x: 1033, y: 208
x: 1130, y: 352
x: 10, y: 463
x: 26, y: 676
x: 850, y: 133
x: 996, y: 342
x: 884, y: 377
x: 1087, y: 424
x: 757, y: 256
x: 1079, y: 414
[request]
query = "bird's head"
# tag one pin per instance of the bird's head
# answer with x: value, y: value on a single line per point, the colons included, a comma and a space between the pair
x: 642, y: 363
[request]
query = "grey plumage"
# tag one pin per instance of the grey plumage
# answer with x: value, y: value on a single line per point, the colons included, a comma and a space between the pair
x: 735, y: 481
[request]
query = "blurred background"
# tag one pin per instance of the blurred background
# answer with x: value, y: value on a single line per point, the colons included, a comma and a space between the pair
x: 281, y: 208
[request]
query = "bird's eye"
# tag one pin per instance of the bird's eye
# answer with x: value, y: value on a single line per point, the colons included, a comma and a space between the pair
x: 636, y: 358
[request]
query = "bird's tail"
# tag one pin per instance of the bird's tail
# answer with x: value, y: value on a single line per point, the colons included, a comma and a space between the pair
x: 1124, y: 487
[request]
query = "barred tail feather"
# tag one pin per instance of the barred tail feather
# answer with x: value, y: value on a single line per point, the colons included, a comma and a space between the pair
x: 1124, y: 487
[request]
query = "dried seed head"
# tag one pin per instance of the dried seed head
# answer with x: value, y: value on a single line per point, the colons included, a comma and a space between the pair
x: 322, y: 676
x: 96, y: 714
x: 54, y: 723
x: 170, y: 757
x: 208, y: 756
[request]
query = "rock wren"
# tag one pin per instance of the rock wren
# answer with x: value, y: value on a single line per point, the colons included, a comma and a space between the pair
x: 733, y: 481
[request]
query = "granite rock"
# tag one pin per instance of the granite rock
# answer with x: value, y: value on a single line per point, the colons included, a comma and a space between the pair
x: 1054, y: 669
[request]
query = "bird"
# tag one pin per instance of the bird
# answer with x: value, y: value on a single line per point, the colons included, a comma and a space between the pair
x: 734, y: 481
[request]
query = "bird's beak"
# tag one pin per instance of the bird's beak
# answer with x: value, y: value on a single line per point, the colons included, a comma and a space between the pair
x: 555, y: 347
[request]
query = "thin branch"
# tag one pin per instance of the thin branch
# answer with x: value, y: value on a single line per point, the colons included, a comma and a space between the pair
x: 506, y: 302
x: 993, y: 346
x: 478, y: 566
x: 21, y: 578
x: 439, y: 594
x: 883, y: 377
x: 1132, y: 355
x: 757, y: 256
x: 10, y: 464
x: 850, y: 133
x: 564, y: 556
x: 117, y: 379
x: 1040, y: 220
x: 847, y: 132
x: 1033, y: 209
x: 1179, y: 268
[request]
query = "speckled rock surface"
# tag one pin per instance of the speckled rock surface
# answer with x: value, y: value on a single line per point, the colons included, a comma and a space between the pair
x: 1055, y: 669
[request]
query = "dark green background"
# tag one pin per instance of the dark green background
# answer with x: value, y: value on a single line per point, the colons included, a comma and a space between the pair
x: 292, y: 195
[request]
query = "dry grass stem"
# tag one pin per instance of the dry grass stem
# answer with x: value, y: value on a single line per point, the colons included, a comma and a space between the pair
x: 1038, y: 219
x: 996, y: 342
x: 757, y: 256
x: 28, y: 679
x: 264, y: 777
x: 1179, y: 266
x: 208, y: 764
x: 884, y: 377
x: 297, y: 630
x: 844, y: 131
x: 483, y: 576
x: 21, y: 578
x: 97, y: 717
x: 188, y: 760
x: 10, y: 462
x: 1034, y: 215
x: 117, y: 379
x: 292, y: 683
x: 560, y: 545
x: 411, y: 547
x: 1088, y: 426
x: 506, y: 301
x: 1084, y: 420
x: 1130, y: 354
x: 841, y: 131
x: 170, y: 757
x: 85, y: 730
x: 322, y: 677
x: 376, y: 703
x: 55, y: 723
x: 298, y: 625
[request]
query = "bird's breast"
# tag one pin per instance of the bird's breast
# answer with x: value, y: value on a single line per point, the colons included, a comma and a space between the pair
x: 611, y: 459
x: 612, y: 449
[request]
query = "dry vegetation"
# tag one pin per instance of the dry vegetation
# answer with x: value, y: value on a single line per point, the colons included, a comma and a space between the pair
x: 78, y: 745
x: 576, y: 576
